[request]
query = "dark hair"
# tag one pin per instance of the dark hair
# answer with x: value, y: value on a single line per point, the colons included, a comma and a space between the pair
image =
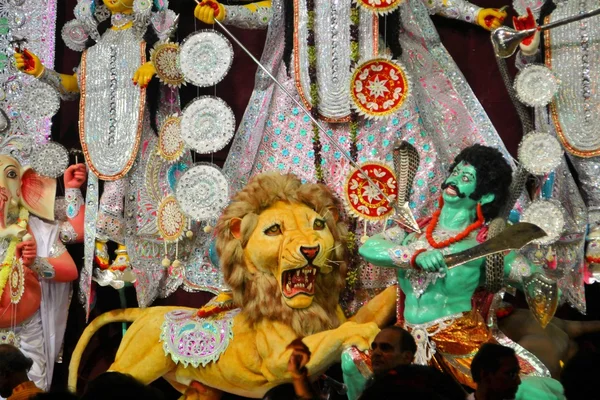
x: 284, y: 391
x: 488, y: 359
x: 412, y: 378
x: 579, y: 374
x: 407, y: 341
x: 12, y: 360
x: 494, y: 175
x: 55, y: 396
x: 115, y: 385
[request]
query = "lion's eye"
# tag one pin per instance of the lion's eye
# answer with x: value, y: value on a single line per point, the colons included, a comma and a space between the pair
x: 273, y: 230
x: 319, y: 225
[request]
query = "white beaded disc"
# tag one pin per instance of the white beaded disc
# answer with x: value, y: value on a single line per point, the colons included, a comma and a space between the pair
x: 536, y: 85
x: 202, y: 192
x: 207, y: 125
x: 540, y: 153
x: 50, y: 159
x: 549, y: 216
x: 39, y: 100
x: 205, y: 58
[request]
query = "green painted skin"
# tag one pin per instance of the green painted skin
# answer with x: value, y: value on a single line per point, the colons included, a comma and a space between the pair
x: 451, y: 294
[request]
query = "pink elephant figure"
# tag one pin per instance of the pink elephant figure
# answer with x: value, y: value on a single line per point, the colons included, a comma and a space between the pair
x: 36, y: 270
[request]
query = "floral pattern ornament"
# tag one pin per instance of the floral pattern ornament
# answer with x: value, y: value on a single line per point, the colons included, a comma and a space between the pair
x: 170, y: 144
x: 379, y: 87
x: 380, y: 7
x: 365, y: 201
x: 165, y: 58
x: 195, y: 341
x: 171, y: 221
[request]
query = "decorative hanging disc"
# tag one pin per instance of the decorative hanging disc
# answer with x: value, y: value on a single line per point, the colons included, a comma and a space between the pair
x: 380, y: 7
x: 171, y: 221
x: 170, y: 145
x: 365, y: 201
x: 207, y: 125
x: 536, y: 85
x: 50, y: 159
x: 74, y: 35
x: 540, y: 153
x: 16, y: 282
x: 379, y: 87
x: 202, y: 192
x: 205, y: 58
x: 39, y: 100
x: 164, y: 56
x: 549, y: 216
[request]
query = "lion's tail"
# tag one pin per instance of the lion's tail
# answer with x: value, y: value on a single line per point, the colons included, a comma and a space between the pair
x: 124, y: 315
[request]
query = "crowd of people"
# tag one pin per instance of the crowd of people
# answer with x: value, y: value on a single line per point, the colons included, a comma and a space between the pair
x: 495, y: 369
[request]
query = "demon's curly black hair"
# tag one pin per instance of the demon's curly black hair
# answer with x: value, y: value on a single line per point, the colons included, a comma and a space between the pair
x: 494, y: 175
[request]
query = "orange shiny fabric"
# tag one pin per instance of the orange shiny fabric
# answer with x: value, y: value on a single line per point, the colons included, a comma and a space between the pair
x: 457, y: 345
x: 25, y: 391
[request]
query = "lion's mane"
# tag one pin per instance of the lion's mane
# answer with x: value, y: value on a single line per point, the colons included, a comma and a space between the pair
x: 259, y: 294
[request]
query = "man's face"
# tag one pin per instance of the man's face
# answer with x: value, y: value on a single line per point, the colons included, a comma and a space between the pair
x: 386, y: 352
x: 460, y: 185
x: 505, y: 381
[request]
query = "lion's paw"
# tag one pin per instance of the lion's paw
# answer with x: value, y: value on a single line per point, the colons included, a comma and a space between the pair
x: 360, y: 335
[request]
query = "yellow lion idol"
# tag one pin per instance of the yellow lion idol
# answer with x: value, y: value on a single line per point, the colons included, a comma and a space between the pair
x: 283, y: 254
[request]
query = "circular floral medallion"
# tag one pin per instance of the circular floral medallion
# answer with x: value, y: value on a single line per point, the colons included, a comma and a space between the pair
x: 549, y: 216
x: 202, y: 192
x: 207, y: 125
x: 365, y: 201
x: 39, y: 100
x: 50, y: 159
x: 170, y: 145
x: 379, y: 6
x: 536, y: 85
x: 74, y: 35
x: 164, y: 56
x: 379, y: 87
x: 540, y: 153
x: 205, y: 58
x: 16, y: 282
x: 171, y: 221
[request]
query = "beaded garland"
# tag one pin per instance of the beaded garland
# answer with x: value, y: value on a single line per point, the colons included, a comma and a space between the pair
x: 7, y: 263
x: 457, y: 238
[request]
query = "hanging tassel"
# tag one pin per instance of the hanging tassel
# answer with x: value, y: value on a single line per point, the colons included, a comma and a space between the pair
x: 166, y: 262
x: 364, y: 237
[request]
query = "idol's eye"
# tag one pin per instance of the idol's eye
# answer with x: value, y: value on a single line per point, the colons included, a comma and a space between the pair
x: 466, y: 179
x: 319, y: 225
x: 273, y: 230
x: 455, y: 173
x: 11, y: 173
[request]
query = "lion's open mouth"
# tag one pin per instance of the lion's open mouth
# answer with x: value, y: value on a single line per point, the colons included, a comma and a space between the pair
x: 299, y: 281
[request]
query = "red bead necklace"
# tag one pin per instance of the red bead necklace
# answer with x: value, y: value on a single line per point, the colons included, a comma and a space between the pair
x: 434, y: 221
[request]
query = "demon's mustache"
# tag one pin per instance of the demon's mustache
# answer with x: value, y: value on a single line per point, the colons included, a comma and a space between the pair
x: 455, y: 188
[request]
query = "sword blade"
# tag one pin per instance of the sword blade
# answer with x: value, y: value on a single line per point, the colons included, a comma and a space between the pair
x: 512, y: 238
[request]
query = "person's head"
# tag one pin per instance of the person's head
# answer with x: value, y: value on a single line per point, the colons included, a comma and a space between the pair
x: 115, y: 385
x: 496, y: 369
x: 414, y: 381
x: 579, y: 374
x: 393, y: 346
x: 55, y: 396
x: 13, y: 368
x: 479, y: 174
x: 284, y: 391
